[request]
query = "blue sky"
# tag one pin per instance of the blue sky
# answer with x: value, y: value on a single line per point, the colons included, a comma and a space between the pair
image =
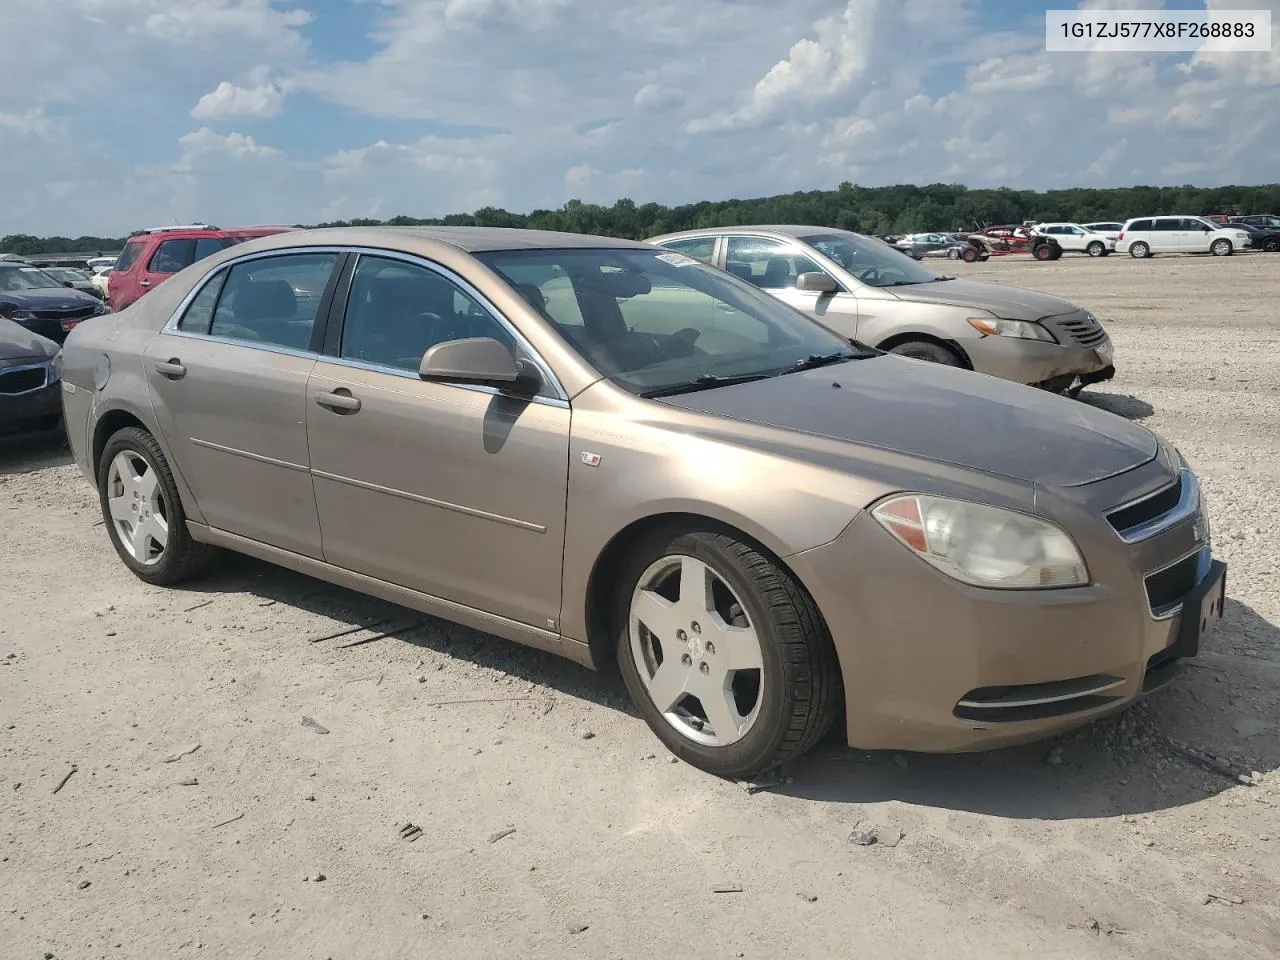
x: 116, y: 114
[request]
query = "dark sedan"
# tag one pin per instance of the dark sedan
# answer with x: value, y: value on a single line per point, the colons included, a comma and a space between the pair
x: 30, y: 381
x: 1261, y: 238
x: 73, y: 279
x: 34, y: 300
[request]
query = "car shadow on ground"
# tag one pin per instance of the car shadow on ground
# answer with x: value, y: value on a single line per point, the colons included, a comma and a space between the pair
x: 348, y: 609
x: 31, y: 452
x: 1223, y: 704
x: 1126, y: 405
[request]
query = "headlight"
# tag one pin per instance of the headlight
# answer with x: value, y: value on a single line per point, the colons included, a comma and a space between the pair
x: 101, y: 308
x: 1021, y: 329
x: 55, y: 367
x: 13, y: 313
x: 984, y: 546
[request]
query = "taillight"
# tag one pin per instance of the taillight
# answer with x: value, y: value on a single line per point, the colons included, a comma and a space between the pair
x: 1119, y: 236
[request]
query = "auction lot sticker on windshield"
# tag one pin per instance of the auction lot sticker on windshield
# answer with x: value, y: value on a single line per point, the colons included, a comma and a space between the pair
x: 1157, y: 31
x: 678, y: 260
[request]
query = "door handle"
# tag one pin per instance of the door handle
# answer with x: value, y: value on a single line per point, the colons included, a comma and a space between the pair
x: 173, y: 369
x: 144, y: 283
x: 339, y: 402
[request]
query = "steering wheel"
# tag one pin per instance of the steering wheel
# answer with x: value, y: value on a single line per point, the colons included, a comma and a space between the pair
x: 870, y: 276
x: 685, y: 340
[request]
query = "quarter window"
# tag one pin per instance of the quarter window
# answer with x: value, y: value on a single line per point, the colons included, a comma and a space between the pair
x: 1139, y: 225
x: 397, y: 311
x: 273, y: 301
x: 703, y: 248
x: 199, y: 315
x: 769, y: 264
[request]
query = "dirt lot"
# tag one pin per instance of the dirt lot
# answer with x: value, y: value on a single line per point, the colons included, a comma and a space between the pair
x: 1110, y: 844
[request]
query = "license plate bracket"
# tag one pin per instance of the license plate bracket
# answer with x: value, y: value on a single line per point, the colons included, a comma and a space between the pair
x: 1201, y: 611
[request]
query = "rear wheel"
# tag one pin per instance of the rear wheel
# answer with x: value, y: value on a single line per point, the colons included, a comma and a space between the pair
x: 143, y: 513
x: 969, y: 255
x: 927, y: 350
x: 1096, y: 249
x: 724, y: 654
x: 953, y: 254
x: 1043, y: 251
x: 1221, y: 248
x: 1139, y: 250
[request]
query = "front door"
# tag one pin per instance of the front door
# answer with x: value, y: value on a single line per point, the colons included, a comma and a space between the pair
x: 773, y: 266
x: 454, y: 491
x: 228, y: 385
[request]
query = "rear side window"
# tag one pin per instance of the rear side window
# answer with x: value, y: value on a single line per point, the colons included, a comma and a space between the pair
x: 129, y: 255
x: 1166, y: 225
x: 172, y: 256
x: 273, y: 301
x: 1140, y: 225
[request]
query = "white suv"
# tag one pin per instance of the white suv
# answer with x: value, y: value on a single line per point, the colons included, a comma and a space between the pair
x: 1144, y: 236
x: 1074, y: 238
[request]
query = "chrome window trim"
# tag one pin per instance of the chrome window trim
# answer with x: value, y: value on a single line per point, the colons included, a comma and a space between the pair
x: 44, y: 365
x: 411, y: 376
x: 561, y: 399
x: 1188, y: 506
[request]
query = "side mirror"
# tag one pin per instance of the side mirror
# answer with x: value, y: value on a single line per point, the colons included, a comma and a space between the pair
x: 817, y: 283
x: 68, y: 283
x: 474, y: 360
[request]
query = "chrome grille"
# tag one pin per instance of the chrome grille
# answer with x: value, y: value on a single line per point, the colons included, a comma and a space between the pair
x: 76, y: 313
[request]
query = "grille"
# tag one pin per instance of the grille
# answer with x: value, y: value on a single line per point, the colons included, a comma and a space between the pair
x: 1167, y: 587
x: 1038, y: 701
x: 21, y: 381
x: 1083, y: 328
x: 1156, y: 505
x: 79, y: 313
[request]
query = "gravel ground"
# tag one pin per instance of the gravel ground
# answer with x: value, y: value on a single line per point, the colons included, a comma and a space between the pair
x: 205, y: 817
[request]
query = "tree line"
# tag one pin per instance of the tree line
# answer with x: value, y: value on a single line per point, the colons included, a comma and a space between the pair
x: 873, y: 210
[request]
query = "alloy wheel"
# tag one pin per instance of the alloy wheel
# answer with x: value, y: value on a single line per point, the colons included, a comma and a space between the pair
x: 135, y: 500
x: 698, y: 655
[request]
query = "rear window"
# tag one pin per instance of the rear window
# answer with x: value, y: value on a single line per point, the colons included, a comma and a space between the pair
x: 129, y: 255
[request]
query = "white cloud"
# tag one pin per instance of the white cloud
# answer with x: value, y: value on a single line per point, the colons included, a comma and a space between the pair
x: 238, y: 146
x: 576, y: 176
x: 229, y: 100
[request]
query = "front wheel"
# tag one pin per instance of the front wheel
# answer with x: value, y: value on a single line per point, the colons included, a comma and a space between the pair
x: 1139, y: 250
x: 1221, y: 248
x: 1271, y: 244
x: 970, y: 255
x: 926, y: 350
x: 142, y: 511
x: 724, y: 654
x: 1097, y: 249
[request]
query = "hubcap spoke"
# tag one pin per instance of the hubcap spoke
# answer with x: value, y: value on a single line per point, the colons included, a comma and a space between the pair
x: 660, y: 616
x: 158, y: 530
x: 722, y: 713
x: 141, y: 541
x: 668, y: 685
x: 737, y: 648
x: 121, y: 508
x: 695, y: 586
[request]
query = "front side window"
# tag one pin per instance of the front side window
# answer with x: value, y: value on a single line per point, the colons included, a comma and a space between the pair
x: 769, y: 264
x: 657, y: 321
x: 704, y: 248
x: 273, y: 301
x: 397, y: 311
x: 872, y: 261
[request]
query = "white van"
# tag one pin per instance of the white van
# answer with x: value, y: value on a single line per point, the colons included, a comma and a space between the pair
x: 1144, y: 236
x: 1073, y: 238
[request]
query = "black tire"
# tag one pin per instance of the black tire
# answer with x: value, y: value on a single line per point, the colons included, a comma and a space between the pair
x: 953, y: 254
x: 801, y: 687
x: 927, y: 350
x: 182, y: 556
x: 1043, y: 251
x: 1139, y: 250
x: 1271, y: 244
x: 1096, y: 249
x: 969, y: 256
x: 1221, y: 248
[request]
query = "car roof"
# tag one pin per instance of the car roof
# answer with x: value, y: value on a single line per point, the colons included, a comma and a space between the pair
x: 783, y: 229
x: 467, y: 239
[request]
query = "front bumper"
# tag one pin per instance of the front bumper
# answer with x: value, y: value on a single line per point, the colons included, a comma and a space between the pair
x: 32, y: 410
x: 930, y: 664
x: 1034, y: 361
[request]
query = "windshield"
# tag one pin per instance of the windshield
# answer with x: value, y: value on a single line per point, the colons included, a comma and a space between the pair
x: 656, y: 321
x: 14, y: 279
x: 64, y: 273
x: 872, y: 261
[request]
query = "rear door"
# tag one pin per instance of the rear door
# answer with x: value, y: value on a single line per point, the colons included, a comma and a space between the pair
x: 228, y: 383
x: 1167, y: 235
x: 123, y: 282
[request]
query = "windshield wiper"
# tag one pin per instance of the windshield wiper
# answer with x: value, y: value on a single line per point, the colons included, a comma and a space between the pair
x: 815, y: 360
x: 703, y: 381
x: 914, y: 283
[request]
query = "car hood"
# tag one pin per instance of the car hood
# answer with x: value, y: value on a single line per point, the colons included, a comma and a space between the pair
x: 55, y: 298
x: 941, y: 414
x: 1008, y: 303
x: 19, y: 343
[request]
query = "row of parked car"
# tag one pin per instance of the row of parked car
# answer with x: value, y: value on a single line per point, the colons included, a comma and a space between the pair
x: 685, y: 456
x: 1140, y: 237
